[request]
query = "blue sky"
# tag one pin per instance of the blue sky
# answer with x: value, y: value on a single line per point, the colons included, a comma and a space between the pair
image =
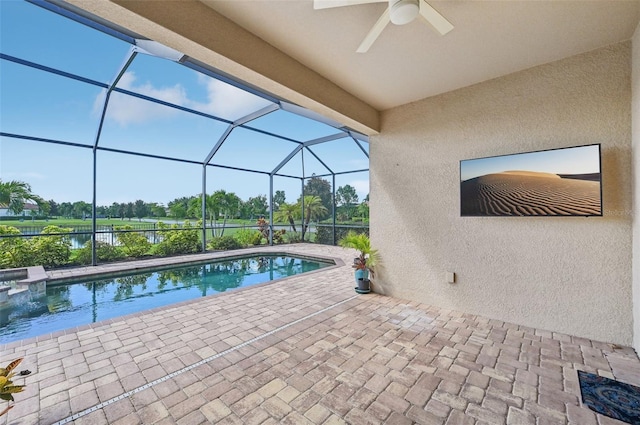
x: 40, y: 104
x: 577, y: 160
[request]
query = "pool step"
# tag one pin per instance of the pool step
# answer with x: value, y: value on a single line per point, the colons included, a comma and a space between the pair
x: 23, y: 284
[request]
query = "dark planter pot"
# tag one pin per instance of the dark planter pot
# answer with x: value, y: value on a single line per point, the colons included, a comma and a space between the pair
x: 364, y: 286
x: 361, y: 274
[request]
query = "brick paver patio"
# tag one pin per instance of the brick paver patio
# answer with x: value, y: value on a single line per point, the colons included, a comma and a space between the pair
x: 308, y: 350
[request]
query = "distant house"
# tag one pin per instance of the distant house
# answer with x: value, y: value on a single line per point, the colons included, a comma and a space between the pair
x: 28, y: 208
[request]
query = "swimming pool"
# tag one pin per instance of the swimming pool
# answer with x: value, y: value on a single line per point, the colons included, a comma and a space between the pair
x: 79, y: 303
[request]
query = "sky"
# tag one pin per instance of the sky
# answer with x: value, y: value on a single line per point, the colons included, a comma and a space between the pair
x: 40, y: 104
x: 576, y: 160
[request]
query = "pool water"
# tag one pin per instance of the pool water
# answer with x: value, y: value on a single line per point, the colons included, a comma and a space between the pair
x: 81, y: 303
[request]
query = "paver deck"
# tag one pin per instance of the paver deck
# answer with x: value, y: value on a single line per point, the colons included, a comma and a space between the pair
x: 308, y: 350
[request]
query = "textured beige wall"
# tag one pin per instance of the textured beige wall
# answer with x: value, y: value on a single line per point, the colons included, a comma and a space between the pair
x: 570, y: 275
x: 635, y: 110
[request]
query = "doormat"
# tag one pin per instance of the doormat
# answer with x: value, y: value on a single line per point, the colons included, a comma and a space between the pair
x: 610, y: 398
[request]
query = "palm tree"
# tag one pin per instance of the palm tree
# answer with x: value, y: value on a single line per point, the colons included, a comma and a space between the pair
x: 287, y: 212
x: 313, y: 209
x: 368, y: 257
x: 228, y: 205
x: 222, y: 202
x: 14, y: 194
x: 213, y: 208
x: 363, y: 209
x: 194, y: 207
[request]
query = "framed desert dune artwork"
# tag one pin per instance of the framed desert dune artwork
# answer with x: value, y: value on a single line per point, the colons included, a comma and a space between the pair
x: 556, y: 182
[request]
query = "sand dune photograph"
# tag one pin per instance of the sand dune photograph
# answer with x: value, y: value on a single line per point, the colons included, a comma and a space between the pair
x: 559, y: 182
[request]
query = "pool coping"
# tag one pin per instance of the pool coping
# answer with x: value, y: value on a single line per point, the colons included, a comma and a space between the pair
x: 147, y: 264
x: 206, y: 260
x: 178, y: 260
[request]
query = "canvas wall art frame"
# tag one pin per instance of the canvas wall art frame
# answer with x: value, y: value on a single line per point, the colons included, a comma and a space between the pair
x: 555, y: 182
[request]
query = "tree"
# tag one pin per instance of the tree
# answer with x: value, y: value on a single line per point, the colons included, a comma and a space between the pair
x: 317, y: 186
x: 313, y: 210
x: 53, y: 208
x: 194, y: 207
x: 221, y: 202
x: 81, y: 209
x: 44, y: 207
x: 129, y: 211
x: 122, y: 210
x: 157, y: 210
x: 102, y: 211
x: 178, y: 211
x: 65, y: 209
x: 346, y: 196
x: 229, y: 207
x: 178, y: 207
x: 287, y: 212
x: 279, y: 198
x: 113, y: 210
x: 363, y: 210
x: 15, y: 193
x: 244, y: 210
x: 258, y: 205
x: 141, y: 210
x: 213, y: 209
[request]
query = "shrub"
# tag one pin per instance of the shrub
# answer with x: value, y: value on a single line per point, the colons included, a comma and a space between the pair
x: 246, y: 237
x: 257, y: 239
x: 104, y: 253
x: 51, y: 249
x: 292, y: 237
x: 13, y: 250
x: 134, y: 244
x: 185, y: 241
x: 264, y: 229
x: 278, y: 236
x: 224, y: 243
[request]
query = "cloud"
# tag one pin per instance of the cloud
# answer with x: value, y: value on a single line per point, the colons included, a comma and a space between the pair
x: 223, y: 100
x: 125, y: 109
x: 227, y: 101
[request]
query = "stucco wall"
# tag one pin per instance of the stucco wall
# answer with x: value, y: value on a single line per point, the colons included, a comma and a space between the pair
x: 635, y: 109
x: 570, y: 275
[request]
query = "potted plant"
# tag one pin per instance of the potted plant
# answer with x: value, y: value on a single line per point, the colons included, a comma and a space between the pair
x: 365, y: 262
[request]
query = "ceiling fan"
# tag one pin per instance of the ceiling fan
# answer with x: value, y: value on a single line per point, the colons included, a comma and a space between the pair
x: 399, y: 12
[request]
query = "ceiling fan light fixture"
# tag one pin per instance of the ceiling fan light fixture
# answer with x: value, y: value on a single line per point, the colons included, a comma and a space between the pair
x: 403, y: 11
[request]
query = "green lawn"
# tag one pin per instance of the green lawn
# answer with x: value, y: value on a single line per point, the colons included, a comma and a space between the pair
x: 64, y: 222
x: 70, y: 222
x: 232, y: 226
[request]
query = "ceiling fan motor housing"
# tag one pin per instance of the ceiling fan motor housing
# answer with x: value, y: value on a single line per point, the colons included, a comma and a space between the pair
x: 403, y: 11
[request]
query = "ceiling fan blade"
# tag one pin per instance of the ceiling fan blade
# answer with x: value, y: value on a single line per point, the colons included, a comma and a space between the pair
x: 434, y: 18
x: 375, y: 31
x: 326, y: 4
